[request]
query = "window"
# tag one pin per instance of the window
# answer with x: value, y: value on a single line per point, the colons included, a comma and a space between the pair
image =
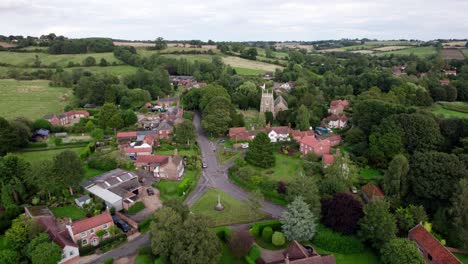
x: 84, y: 242
x: 71, y: 253
x: 91, y: 231
x: 104, y: 226
x: 429, y: 257
x: 83, y: 234
x: 106, y: 234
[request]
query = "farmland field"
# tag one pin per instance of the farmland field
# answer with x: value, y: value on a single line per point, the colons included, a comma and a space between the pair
x: 32, y: 99
x: 120, y: 70
x: 45, y: 154
x: 390, y: 48
x: 450, y: 110
x: 244, y: 71
x: 418, y: 51
x: 191, y: 58
x: 452, y: 54
x: 27, y: 59
x: 249, y: 64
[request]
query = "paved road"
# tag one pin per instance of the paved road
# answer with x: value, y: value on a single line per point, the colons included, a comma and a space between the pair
x: 215, y: 176
x: 124, y: 250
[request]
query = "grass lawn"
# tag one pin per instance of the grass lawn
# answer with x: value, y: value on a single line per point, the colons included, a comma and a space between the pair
x: 224, y: 156
x: 237, y: 62
x: 449, y: 110
x: 462, y: 257
x: 370, y: 173
x: 245, y: 71
x: 418, y: 51
x: 182, y: 152
x: 74, y: 212
x: 120, y: 70
x: 189, y: 57
x: 366, y: 257
x: 137, y: 207
x: 228, y: 258
x: 169, y: 189
x: 235, y: 211
x: 31, y: 99
x: 33, y: 156
x: 28, y: 59
x: 285, y: 169
x: 89, y: 172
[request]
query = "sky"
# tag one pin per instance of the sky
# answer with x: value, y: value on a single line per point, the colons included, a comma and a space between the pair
x: 237, y: 20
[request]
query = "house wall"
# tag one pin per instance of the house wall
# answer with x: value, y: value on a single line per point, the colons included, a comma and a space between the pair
x: 69, y: 253
x: 90, y: 234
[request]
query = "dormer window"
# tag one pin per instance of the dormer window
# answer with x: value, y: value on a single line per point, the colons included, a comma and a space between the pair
x: 83, y: 234
x: 91, y: 231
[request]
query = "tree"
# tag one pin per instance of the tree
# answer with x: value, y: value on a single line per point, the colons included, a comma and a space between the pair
x: 40, y: 239
x: 106, y: 113
x: 9, y: 256
x: 246, y: 95
x: 433, y: 175
x: 378, y: 226
x: 184, y: 132
x: 395, y: 181
x: 129, y: 117
x: 23, y: 229
x: 97, y: 134
x: 250, y: 53
x: 408, y: 217
x: 307, y: 188
x: 160, y: 44
x: 103, y: 62
x: 13, y: 175
x: 460, y: 214
x: 89, y: 61
x: 9, y: 140
x: 240, y: 243
x: 260, y: 152
x: 342, y: 169
x: 69, y: 167
x: 302, y: 118
x: 342, y: 213
x: 116, y: 121
x: 400, y: 250
x: 42, y: 123
x: 172, y: 234
x: 46, y: 253
x: 217, y: 119
x: 299, y: 223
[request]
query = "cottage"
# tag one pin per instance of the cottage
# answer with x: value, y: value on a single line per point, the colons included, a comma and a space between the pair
x: 56, y: 230
x: 41, y: 135
x: 372, y: 192
x: 239, y: 133
x: 450, y: 72
x: 328, y: 160
x: 444, y: 82
x: 67, y: 118
x: 123, y: 137
x: 118, y: 188
x: 133, y: 153
x: 311, y: 144
x: 299, y: 254
x: 335, y: 140
x: 335, y: 121
x: 430, y: 248
x: 84, y: 232
x: 278, y: 133
x: 298, y: 135
x: 163, y: 167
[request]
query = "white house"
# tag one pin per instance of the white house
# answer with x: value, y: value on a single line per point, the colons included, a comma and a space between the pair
x: 335, y: 121
x: 279, y: 134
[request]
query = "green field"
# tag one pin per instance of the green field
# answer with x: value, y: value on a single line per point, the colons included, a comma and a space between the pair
x: 450, y: 110
x: 235, y: 211
x: 34, y: 156
x: 169, y: 189
x: 366, y: 257
x: 286, y: 169
x: 191, y: 58
x: 120, y: 70
x: 225, y: 156
x: 31, y: 99
x: 418, y: 51
x: 27, y: 59
x: 73, y: 212
x: 251, y: 72
x: 237, y: 62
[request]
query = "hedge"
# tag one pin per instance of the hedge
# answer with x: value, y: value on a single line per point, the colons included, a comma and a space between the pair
x: 183, y: 186
x: 254, y: 253
x: 267, y: 233
x: 278, y: 239
x: 143, y: 225
x: 257, y: 228
x: 330, y: 240
x: 223, y: 233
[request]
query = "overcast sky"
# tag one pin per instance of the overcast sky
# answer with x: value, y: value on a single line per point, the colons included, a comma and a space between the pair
x: 237, y: 19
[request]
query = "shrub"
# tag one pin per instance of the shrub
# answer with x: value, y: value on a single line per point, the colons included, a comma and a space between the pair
x: 102, y: 163
x: 342, y: 213
x: 108, y: 261
x: 87, y: 250
x: 255, y: 253
x: 158, y: 261
x: 267, y: 233
x: 183, y: 186
x: 278, y: 239
x: 240, y: 243
x: 257, y: 228
x: 223, y: 233
x: 143, y: 225
x: 137, y: 207
x: 145, y: 251
x: 249, y: 260
x: 329, y: 240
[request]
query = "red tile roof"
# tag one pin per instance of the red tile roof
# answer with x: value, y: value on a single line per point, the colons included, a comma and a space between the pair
x: 373, y: 191
x: 137, y: 150
x: 450, y: 72
x: 328, y: 159
x: 444, y: 82
x: 77, y: 112
x: 281, y: 129
x: 339, y: 103
x: 237, y: 130
x: 88, y: 223
x: 152, y: 159
x: 56, y: 232
x: 334, y: 138
x: 127, y: 134
x: 427, y: 242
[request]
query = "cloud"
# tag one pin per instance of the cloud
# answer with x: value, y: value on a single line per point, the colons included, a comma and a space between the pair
x: 237, y: 19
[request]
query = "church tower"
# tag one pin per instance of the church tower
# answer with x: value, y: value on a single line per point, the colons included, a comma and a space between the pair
x: 267, y: 104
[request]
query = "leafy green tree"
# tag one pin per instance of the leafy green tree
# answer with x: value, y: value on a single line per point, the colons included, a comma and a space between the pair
x: 9, y: 256
x: 97, y: 133
x: 107, y: 112
x: 184, y: 132
x: 43, y: 177
x: 299, y: 223
x: 40, y: 239
x: 90, y: 126
x: 260, y: 152
x: 240, y: 243
x: 160, y: 44
x: 342, y: 169
x: 13, y: 173
x: 433, y: 175
x: 216, y: 119
x: 9, y: 140
x: 378, y: 226
x: 342, y: 213
x: 302, y: 118
x: 23, y: 229
x: 211, y: 91
x: 460, y: 214
x: 395, y: 181
x: 409, y: 217
x: 129, y: 117
x: 42, y: 123
x: 103, y: 62
x: 250, y: 53
x: 68, y: 165
x: 46, y: 253
x: 246, y: 95
x: 89, y: 61
x: 307, y: 188
x: 400, y: 250
x: 368, y: 113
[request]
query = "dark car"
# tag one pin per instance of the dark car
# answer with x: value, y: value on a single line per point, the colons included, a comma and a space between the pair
x: 150, y: 191
x: 121, y: 224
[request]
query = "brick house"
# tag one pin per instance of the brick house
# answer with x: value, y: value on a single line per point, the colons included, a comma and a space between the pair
x: 163, y: 167
x: 84, y: 232
x: 335, y: 121
x: 335, y: 140
x: 239, y: 133
x: 299, y: 254
x: 135, y: 152
x: 431, y: 249
x: 327, y: 160
x: 298, y: 135
x: 444, y: 82
x: 450, y: 72
x: 311, y: 144
x: 67, y: 118
x: 123, y: 137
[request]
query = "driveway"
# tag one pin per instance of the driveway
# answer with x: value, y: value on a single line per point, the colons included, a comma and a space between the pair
x: 216, y: 176
x: 152, y: 203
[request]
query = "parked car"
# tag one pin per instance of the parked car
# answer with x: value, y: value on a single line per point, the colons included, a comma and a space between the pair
x: 245, y: 145
x: 150, y: 191
x: 121, y: 224
x: 354, y: 189
x: 204, y: 165
x: 222, y: 140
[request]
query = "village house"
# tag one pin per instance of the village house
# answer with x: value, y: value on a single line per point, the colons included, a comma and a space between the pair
x: 334, y: 139
x: 430, y: 248
x: 163, y: 167
x: 134, y: 152
x: 277, y: 134
x: 311, y: 144
x: 397, y: 71
x: 125, y: 137
x: 67, y: 118
x: 450, y: 72
x: 327, y: 160
x: 372, y: 192
x: 298, y: 135
x: 299, y: 254
x: 337, y: 107
x: 239, y: 134
x: 56, y: 230
x: 335, y: 121
x: 40, y: 135
x: 84, y: 232
x: 118, y: 188
x: 444, y: 82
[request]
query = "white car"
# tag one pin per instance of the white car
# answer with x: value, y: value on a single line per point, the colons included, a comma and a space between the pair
x: 244, y: 145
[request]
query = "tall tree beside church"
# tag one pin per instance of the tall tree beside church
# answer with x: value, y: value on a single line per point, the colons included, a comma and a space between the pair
x: 260, y: 152
x: 302, y: 118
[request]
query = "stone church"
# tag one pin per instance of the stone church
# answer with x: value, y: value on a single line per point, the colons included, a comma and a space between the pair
x: 268, y: 104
